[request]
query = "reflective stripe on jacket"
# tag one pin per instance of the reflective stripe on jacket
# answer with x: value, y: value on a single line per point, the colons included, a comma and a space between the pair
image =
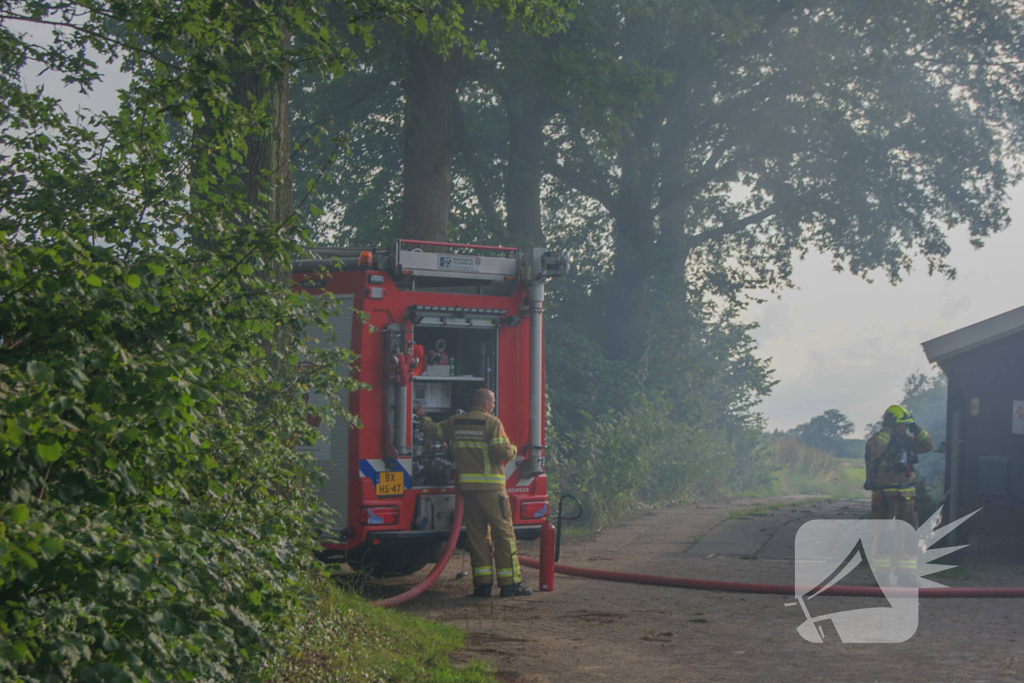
x: 479, y: 447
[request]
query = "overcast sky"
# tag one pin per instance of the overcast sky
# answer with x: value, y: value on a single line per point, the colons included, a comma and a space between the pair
x: 839, y: 342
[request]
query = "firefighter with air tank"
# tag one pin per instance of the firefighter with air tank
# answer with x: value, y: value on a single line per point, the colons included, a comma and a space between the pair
x: 480, y: 448
x: 889, y: 459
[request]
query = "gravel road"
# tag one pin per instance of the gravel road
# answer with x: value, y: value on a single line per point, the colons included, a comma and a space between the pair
x: 587, y: 630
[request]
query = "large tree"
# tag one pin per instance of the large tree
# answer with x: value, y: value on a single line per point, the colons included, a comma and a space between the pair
x: 715, y: 144
x: 866, y: 130
x: 412, y: 117
x: 825, y: 431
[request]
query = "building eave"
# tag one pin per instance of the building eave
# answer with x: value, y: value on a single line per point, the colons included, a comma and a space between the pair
x: 974, y: 336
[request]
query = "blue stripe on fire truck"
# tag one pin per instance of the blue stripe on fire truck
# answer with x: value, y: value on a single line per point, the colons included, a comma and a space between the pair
x: 372, y: 467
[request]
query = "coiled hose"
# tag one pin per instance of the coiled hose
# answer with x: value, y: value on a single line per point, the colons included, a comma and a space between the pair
x: 453, y: 538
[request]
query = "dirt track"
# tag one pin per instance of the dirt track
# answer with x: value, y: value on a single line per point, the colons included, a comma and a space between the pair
x: 592, y: 630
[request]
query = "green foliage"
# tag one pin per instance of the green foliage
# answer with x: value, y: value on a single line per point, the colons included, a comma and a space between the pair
x: 825, y: 432
x: 824, y: 429
x: 805, y: 107
x: 810, y: 462
x: 346, y: 639
x: 622, y: 435
x: 797, y: 469
x: 848, y: 448
x: 157, y: 518
x: 365, y: 112
x: 925, y: 397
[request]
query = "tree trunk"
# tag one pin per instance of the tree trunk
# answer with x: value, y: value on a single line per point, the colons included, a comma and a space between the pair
x: 626, y: 319
x: 266, y: 171
x: 526, y: 121
x: 266, y: 166
x: 430, y: 100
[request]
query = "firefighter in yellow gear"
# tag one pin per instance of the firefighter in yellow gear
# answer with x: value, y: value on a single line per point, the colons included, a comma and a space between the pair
x: 889, y: 459
x: 480, y: 448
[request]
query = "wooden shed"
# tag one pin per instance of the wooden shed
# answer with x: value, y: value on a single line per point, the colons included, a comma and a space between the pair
x: 984, y: 364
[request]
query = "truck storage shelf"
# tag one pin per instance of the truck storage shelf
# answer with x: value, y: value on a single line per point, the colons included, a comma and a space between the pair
x: 447, y: 378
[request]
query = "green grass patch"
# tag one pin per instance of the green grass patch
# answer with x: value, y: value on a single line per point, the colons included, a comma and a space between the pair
x: 800, y: 470
x: 345, y: 638
x: 854, y: 473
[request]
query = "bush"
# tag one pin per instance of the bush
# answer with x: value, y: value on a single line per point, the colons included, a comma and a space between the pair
x: 618, y: 439
x: 156, y: 516
x: 797, y: 469
x: 809, y: 462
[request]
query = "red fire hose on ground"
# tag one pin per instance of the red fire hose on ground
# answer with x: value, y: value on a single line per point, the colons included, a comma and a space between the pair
x: 678, y: 582
x: 773, y: 589
x: 549, y: 552
x: 446, y: 555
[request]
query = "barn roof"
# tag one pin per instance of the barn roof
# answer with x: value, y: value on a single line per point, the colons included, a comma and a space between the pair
x: 973, y: 336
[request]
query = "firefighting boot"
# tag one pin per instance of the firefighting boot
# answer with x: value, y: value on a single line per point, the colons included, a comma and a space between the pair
x: 482, y: 590
x: 514, y: 590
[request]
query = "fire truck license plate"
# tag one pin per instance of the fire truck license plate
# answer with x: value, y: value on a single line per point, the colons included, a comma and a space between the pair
x: 391, y: 484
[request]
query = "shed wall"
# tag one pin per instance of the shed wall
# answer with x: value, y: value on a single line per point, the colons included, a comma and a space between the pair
x: 984, y: 383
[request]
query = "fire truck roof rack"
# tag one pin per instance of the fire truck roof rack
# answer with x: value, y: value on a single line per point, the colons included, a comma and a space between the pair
x: 341, y: 258
x: 343, y: 252
x: 500, y: 263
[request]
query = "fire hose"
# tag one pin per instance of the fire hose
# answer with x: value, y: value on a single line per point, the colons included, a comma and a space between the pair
x: 446, y: 555
x: 774, y: 589
x: 694, y: 584
x: 549, y: 551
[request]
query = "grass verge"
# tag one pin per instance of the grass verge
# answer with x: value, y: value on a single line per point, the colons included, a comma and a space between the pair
x: 800, y: 470
x: 346, y: 639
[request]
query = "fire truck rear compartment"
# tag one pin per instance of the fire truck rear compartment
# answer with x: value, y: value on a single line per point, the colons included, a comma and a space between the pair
x: 459, y: 360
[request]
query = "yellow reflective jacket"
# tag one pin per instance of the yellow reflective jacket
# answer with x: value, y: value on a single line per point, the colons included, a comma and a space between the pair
x: 479, y: 447
x: 882, y: 453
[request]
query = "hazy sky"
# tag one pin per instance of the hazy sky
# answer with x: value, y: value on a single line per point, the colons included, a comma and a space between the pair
x: 839, y: 342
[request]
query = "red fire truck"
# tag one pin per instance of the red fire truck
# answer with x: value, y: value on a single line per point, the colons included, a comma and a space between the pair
x: 439, y: 320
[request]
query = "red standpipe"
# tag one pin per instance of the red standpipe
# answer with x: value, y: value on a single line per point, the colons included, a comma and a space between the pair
x: 547, y: 557
x: 453, y: 538
x: 778, y: 589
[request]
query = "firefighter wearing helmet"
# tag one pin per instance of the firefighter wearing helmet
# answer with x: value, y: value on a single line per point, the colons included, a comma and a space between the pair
x: 479, y: 447
x: 889, y: 459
